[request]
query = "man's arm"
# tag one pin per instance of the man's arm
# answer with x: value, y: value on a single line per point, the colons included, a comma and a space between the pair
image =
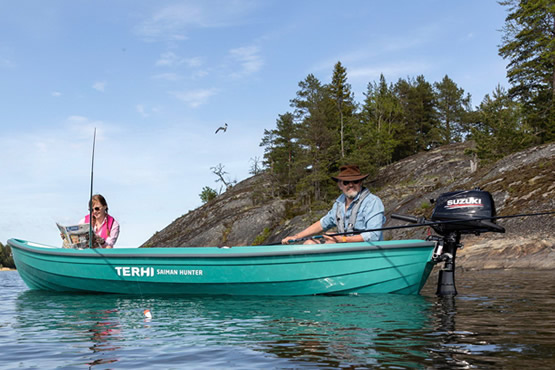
x: 315, y: 228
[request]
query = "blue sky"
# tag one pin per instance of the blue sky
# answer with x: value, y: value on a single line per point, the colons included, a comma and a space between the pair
x: 157, y: 78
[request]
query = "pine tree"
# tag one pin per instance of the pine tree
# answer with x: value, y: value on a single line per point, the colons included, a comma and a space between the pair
x: 500, y: 130
x: 282, y: 152
x: 421, y: 127
x: 312, y: 111
x: 529, y: 45
x: 452, y: 108
x: 382, y: 122
x: 340, y: 93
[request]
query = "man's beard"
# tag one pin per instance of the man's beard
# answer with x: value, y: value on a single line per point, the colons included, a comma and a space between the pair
x: 351, y: 194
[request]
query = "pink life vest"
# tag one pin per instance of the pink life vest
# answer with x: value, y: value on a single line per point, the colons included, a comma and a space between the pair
x: 104, y: 231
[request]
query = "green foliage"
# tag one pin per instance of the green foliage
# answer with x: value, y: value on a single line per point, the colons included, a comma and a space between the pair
x: 207, y: 194
x: 529, y: 45
x: 381, y: 124
x: 500, y: 129
x: 343, y: 99
x: 421, y: 128
x: 452, y: 108
x: 326, y: 131
x: 282, y: 153
x: 262, y: 237
x: 327, y: 128
x: 6, y: 257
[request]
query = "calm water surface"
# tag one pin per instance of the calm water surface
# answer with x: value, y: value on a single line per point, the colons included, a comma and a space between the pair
x: 500, y: 319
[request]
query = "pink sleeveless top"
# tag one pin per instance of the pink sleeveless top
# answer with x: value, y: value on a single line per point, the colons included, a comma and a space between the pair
x: 104, y: 231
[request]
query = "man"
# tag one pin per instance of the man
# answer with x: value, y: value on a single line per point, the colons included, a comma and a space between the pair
x: 355, y: 209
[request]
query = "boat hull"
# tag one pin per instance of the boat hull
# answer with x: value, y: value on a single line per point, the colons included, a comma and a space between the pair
x: 381, y: 267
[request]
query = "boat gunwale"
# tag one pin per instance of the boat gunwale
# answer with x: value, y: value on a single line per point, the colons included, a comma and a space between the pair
x: 99, y: 253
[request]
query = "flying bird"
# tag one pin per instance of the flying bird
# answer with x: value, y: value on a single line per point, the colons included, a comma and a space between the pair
x: 223, y: 128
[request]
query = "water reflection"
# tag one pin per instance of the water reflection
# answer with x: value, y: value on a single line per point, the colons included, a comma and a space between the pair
x: 500, y: 319
x: 312, y: 331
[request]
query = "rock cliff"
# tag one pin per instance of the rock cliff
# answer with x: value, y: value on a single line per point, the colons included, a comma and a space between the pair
x: 524, y: 182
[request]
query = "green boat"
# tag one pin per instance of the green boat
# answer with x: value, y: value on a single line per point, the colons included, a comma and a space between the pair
x: 274, y: 270
x: 396, y: 266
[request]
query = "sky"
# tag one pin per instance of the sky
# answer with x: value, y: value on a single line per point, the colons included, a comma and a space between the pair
x: 157, y: 78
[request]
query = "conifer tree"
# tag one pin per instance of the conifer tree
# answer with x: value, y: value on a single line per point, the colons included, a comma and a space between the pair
x: 452, y: 108
x: 343, y: 98
x: 312, y: 111
x: 500, y: 129
x: 382, y: 122
x: 421, y: 127
x: 282, y: 151
x: 529, y: 45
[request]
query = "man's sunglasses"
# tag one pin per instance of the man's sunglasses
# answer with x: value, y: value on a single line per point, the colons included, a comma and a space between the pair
x: 345, y: 183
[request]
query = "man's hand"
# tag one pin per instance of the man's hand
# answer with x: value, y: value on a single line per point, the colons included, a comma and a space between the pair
x: 287, y: 239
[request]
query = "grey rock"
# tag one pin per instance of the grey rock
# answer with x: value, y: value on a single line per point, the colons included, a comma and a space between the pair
x: 524, y: 182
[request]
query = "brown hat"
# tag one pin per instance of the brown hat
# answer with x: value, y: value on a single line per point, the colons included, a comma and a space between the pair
x: 349, y: 173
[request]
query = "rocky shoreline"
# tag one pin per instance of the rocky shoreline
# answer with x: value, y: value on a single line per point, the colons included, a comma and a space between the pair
x: 536, y: 251
x: 250, y: 213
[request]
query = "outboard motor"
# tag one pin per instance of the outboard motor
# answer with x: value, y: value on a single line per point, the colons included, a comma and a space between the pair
x: 474, y: 209
x: 457, y: 213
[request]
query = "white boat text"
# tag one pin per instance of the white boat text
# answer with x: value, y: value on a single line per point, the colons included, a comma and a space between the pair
x: 128, y: 271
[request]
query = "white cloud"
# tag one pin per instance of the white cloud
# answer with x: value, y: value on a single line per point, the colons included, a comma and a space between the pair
x: 141, y: 110
x: 199, y: 74
x: 174, y: 22
x: 167, y: 76
x: 390, y: 70
x: 56, y: 94
x: 195, y: 98
x: 170, y: 59
x: 167, y: 59
x: 248, y: 58
x: 100, y: 86
x: 194, y: 62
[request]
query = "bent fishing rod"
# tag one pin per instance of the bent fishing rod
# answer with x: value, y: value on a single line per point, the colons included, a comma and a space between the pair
x: 420, y: 222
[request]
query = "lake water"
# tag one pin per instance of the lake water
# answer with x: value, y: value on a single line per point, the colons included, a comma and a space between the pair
x: 500, y: 319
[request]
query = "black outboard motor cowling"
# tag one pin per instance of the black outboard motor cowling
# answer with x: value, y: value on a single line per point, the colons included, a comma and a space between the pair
x: 474, y: 209
x: 456, y: 213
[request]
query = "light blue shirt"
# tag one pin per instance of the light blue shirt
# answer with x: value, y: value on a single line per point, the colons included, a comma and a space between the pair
x: 370, y: 216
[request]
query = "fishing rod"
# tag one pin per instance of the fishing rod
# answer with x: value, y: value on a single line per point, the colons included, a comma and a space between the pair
x: 91, y: 195
x: 421, y: 222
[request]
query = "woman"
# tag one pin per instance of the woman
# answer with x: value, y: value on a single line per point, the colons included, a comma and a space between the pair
x: 105, y: 226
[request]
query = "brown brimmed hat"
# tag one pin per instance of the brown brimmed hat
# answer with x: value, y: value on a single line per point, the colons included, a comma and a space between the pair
x: 349, y: 173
